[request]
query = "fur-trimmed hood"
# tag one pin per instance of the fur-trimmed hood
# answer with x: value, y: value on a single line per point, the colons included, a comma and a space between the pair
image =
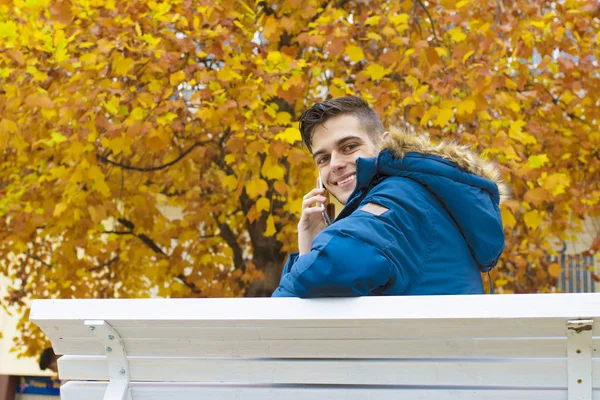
x: 401, y: 141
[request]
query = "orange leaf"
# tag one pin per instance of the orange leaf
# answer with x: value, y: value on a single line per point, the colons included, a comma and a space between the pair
x: 554, y: 270
x: 39, y: 100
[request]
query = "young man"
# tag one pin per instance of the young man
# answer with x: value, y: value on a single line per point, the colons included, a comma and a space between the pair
x: 418, y: 218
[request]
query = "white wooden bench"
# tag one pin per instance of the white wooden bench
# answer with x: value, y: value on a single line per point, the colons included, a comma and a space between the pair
x: 461, y: 347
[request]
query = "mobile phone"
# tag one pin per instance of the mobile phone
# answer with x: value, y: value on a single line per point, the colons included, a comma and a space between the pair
x: 325, y: 212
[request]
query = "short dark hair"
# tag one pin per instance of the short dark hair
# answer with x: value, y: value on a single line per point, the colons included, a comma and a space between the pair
x: 350, y: 105
x: 47, y: 358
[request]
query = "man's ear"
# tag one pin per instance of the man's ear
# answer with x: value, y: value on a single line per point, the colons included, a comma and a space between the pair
x: 385, y: 135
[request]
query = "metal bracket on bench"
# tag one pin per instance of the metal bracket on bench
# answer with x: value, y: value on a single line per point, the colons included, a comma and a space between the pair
x: 579, y: 359
x: 118, y: 366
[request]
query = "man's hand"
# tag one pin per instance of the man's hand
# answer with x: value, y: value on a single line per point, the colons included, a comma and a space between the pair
x: 311, y: 220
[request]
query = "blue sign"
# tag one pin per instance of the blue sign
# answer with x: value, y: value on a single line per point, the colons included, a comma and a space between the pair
x: 39, y: 385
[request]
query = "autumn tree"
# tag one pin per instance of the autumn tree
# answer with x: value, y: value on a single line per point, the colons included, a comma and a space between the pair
x: 151, y: 148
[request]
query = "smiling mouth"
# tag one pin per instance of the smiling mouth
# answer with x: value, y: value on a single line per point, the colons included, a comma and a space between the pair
x: 347, y: 181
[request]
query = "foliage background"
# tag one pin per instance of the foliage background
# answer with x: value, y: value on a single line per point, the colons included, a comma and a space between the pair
x: 150, y: 148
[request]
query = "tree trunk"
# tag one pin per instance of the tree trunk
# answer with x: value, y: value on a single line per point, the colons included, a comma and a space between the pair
x: 264, y: 288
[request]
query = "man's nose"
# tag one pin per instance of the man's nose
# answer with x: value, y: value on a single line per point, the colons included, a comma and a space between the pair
x: 337, y: 161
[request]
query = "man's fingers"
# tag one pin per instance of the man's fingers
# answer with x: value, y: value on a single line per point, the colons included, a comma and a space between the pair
x: 313, y: 193
x: 311, y: 210
x: 306, y: 203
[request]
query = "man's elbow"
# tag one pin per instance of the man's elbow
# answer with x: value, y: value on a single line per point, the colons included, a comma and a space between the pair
x: 282, y: 291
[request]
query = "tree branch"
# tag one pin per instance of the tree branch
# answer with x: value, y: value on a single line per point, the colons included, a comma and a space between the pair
x: 190, y: 285
x: 145, y: 239
x: 106, y: 264
x: 430, y: 19
x: 416, y: 19
x: 150, y: 169
x: 36, y: 258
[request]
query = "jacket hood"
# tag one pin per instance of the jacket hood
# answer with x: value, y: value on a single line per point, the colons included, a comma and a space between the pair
x: 469, y: 187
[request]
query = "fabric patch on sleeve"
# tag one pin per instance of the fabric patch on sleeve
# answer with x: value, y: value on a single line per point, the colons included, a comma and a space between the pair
x: 374, y: 209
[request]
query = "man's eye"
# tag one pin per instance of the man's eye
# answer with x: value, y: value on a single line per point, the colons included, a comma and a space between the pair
x: 350, y: 146
x: 322, y: 160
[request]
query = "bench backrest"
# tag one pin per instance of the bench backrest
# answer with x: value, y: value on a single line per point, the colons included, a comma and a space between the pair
x: 494, y: 347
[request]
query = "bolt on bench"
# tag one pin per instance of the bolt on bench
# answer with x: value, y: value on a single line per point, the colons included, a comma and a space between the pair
x: 504, y: 347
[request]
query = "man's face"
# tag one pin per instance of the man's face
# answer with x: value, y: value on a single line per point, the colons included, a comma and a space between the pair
x: 336, y: 145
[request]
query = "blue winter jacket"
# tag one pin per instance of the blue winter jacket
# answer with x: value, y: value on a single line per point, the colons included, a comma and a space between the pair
x: 442, y: 228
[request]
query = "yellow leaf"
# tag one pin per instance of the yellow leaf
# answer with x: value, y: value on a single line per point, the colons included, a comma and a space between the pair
x: 465, y: 107
x: 442, y: 52
x: 59, y: 209
x: 121, y: 65
x: 532, y: 219
x: 355, y: 53
x: 270, y: 229
x: 400, y: 19
x: 176, y: 78
x: 275, y: 172
x: 372, y: 20
x: 538, y: 160
x: 538, y: 24
x: 290, y: 135
x: 263, y: 204
x: 283, y: 118
x: 137, y: 114
x: 80, y: 272
x: 58, y: 138
x: 166, y: 119
x: 374, y: 36
x: 230, y: 159
x: 418, y: 94
x: 516, y: 132
x: 457, y: 35
x: 429, y: 114
x: 256, y: 188
x: 555, y: 183
x: 376, y: 71
x: 444, y: 116
x: 155, y: 87
x: 500, y: 282
x: 227, y: 74
x: 206, y: 259
x: 51, y: 285
x: 151, y: 40
x: 8, y: 30
x: 98, y: 177
x: 508, y: 219
x: 230, y: 182
x: 467, y: 55
x: 7, y: 125
x: 554, y: 270
x: 513, y: 105
x: 510, y: 84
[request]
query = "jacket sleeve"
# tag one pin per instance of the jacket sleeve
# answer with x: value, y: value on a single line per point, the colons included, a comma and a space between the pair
x: 345, y: 266
x: 358, y: 255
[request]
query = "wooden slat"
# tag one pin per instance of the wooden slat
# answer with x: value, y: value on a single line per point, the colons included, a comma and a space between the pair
x: 503, y: 373
x: 449, y: 348
x: 329, y: 312
x: 366, y: 329
x: 169, y: 391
